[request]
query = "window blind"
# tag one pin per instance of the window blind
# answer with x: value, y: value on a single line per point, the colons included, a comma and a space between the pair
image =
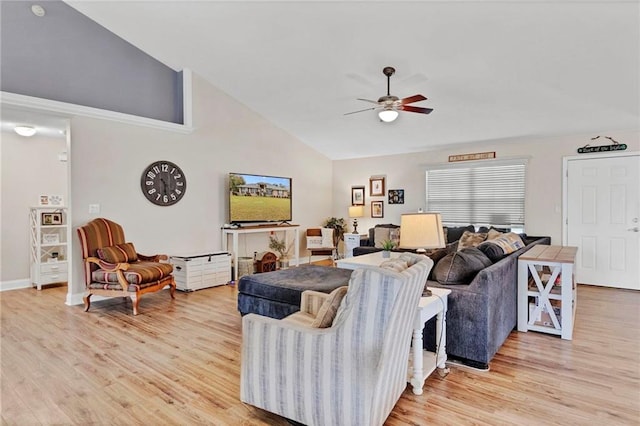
x: 478, y: 194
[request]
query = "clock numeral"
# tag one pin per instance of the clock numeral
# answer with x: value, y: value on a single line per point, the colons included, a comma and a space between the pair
x: 152, y: 191
x: 173, y: 197
x: 165, y: 167
x: 172, y: 170
x: 149, y: 182
x: 165, y: 199
x: 179, y: 183
x: 178, y: 192
x: 157, y: 196
x: 156, y: 169
x: 151, y: 175
x: 178, y: 176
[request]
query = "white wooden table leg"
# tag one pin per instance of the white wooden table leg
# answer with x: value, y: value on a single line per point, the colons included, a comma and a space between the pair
x: 417, y: 381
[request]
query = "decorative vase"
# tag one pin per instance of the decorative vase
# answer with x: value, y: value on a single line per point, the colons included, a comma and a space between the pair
x: 386, y: 254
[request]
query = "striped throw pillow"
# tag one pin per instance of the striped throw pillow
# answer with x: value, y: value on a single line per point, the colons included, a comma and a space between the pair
x: 120, y: 253
x: 327, y: 312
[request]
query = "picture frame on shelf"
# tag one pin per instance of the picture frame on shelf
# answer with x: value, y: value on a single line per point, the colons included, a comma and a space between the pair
x: 357, y: 195
x: 50, y: 239
x: 52, y: 218
x: 51, y: 200
x: 377, y: 209
x: 376, y: 186
x: 396, y: 196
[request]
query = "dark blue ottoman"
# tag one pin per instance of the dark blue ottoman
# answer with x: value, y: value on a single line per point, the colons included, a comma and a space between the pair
x: 277, y: 294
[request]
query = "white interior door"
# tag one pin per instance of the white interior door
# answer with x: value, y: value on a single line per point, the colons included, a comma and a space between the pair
x: 602, y: 219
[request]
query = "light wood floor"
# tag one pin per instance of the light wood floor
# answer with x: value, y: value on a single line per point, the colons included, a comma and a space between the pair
x: 177, y: 363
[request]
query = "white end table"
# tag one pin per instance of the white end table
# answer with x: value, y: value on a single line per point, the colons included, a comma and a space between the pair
x: 422, y: 363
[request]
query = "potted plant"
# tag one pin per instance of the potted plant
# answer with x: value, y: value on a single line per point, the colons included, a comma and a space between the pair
x: 280, y: 247
x: 338, y: 225
x: 387, y: 246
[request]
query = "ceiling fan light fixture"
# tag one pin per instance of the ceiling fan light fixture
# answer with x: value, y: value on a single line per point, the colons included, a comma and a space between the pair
x: 26, y: 131
x: 388, y: 115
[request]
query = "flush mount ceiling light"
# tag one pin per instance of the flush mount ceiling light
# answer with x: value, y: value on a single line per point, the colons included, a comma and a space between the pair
x: 38, y: 10
x: 25, y: 131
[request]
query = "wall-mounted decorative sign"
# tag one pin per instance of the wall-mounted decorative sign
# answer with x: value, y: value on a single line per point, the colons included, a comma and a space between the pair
x: 603, y: 148
x: 396, y: 196
x: 475, y: 156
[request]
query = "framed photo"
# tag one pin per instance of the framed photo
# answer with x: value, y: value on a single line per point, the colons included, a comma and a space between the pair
x: 357, y: 195
x: 51, y: 239
x: 50, y: 200
x: 52, y: 218
x: 377, y: 209
x: 376, y: 186
x: 396, y: 196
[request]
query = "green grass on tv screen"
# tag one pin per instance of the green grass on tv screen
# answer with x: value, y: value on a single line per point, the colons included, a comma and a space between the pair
x: 257, y: 209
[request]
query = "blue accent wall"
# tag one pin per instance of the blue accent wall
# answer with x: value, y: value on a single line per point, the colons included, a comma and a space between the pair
x: 65, y: 56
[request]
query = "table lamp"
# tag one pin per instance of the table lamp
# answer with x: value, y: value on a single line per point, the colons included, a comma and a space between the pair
x: 421, y: 231
x: 355, y: 212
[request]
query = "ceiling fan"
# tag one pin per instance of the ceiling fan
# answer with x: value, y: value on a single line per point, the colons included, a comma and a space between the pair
x: 390, y: 104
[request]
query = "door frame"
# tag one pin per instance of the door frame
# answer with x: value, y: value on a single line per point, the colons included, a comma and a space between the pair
x: 565, y: 183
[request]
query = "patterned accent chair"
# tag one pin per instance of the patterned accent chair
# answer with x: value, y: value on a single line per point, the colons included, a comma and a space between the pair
x: 113, y: 268
x: 351, y: 373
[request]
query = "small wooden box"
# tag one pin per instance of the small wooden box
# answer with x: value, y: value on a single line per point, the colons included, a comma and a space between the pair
x: 266, y: 262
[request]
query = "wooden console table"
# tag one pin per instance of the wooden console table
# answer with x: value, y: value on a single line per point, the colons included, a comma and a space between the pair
x: 234, y: 232
x: 546, y: 286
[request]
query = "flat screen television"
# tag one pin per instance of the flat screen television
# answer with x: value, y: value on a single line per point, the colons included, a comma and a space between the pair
x: 254, y: 198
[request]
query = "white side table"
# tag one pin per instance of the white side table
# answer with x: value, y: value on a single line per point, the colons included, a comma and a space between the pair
x: 422, y: 363
x: 351, y: 241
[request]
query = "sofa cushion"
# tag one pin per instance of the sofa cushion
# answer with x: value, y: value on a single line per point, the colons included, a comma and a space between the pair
x: 119, y: 253
x: 454, y: 233
x: 461, y: 266
x: 437, y: 254
x: 138, y: 273
x: 493, y: 233
x: 471, y: 239
x: 327, y: 311
x: 372, y: 237
x: 508, y: 243
x: 492, y: 251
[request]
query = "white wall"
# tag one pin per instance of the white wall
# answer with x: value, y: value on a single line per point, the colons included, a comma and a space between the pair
x: 108, y: 158
x: 29, y: 168
x: 543, y: 204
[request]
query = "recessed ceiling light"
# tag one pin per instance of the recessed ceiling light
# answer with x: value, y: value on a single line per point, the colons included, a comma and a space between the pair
x: 38, y: 10
x: 25, y: 130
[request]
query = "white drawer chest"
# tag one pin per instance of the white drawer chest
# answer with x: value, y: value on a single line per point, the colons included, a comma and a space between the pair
x: 198, y: 271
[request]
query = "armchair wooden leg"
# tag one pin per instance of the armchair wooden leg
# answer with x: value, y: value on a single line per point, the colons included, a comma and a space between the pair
x: 135, y: 299
x: 172, y: 289
x: 87, y: 301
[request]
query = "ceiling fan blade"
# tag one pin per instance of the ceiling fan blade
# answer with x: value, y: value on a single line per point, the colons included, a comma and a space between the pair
x: 362, y: 110
x: 415, y: 109
x: 412, y: 99
x: 369, y: 100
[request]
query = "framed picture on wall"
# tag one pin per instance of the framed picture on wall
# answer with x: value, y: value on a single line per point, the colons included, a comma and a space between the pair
x: 376, y: 186
x: 357, y: 195
x: 377, y: 209
x: 396, y: 196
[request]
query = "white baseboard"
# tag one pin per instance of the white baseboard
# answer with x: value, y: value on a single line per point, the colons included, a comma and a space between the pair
x: 15, y: 284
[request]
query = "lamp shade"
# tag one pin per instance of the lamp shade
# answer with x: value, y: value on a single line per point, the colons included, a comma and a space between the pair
x: 421, y: 231
x: 356, y: 211
x: 388, y: 115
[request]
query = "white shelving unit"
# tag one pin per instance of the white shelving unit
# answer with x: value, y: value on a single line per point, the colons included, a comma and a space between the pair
x: 49, y: 245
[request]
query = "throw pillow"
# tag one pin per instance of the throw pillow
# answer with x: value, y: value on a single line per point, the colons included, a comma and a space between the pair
x: 471, y: 239
x: 327, y: 237
x: 380, y: 235
x: 454, y: 234
x: 394, y: 236
x: 397, y: 265
x: 492, y: 251
x: 461, y: 266
x: 493, y: 233
x: 120, y: 253
x: 410, y: 258
x: 508, y: 242
x: 329, y: 308
x: 438, y: 254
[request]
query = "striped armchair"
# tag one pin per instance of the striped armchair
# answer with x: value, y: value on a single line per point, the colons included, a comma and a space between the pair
x: 113, y: 268
x: 351, y: 373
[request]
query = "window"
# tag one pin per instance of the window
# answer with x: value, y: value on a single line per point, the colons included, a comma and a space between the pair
x: 480, y: 194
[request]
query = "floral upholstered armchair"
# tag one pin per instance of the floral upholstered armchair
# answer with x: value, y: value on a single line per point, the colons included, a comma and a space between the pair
x: 350, y: 373
x: 112, y: 267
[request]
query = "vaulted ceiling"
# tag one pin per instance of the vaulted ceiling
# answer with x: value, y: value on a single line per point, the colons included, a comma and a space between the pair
x: 491, y: 70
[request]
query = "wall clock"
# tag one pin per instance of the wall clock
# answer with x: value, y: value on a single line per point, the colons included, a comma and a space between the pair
x: 163, y: 183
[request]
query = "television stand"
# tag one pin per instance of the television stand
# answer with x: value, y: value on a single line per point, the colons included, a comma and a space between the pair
x: 234, y: 232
